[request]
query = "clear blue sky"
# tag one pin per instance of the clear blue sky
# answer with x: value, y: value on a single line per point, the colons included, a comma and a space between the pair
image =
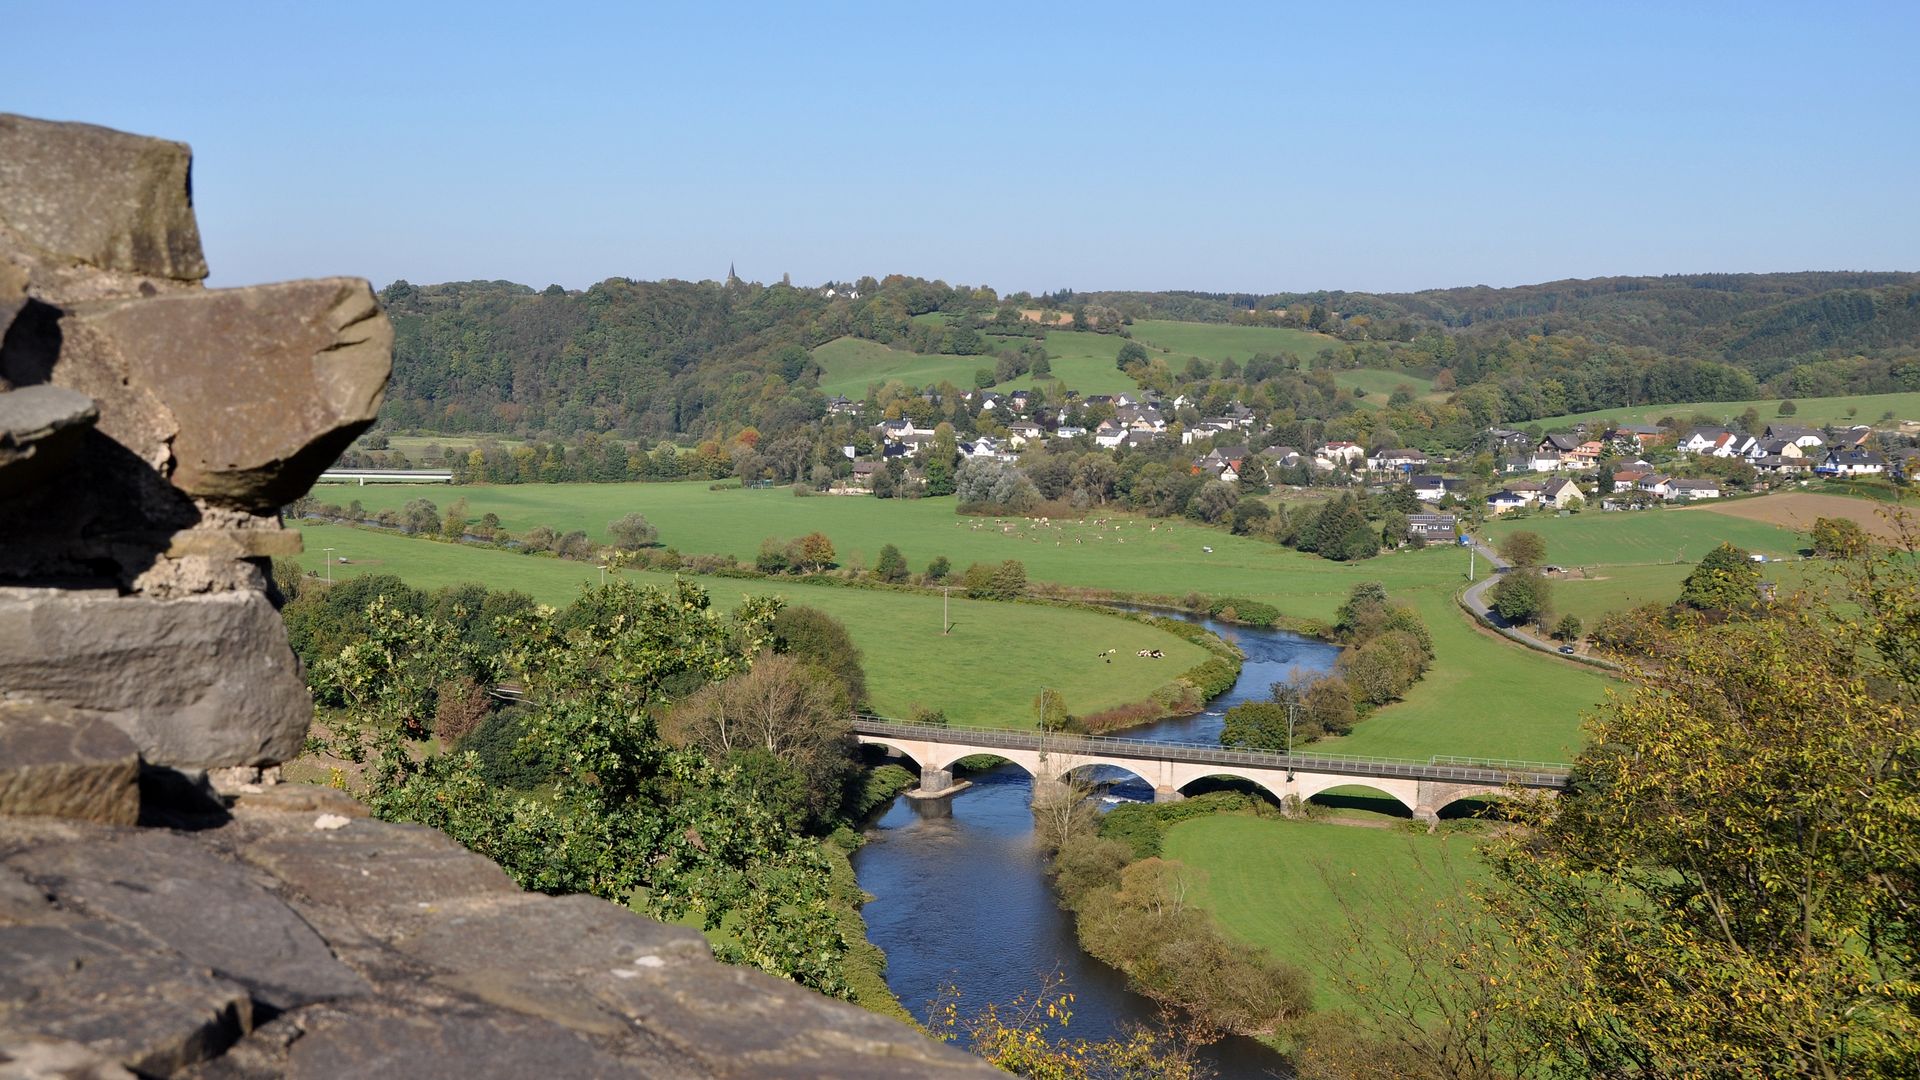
x: 1255, y: 147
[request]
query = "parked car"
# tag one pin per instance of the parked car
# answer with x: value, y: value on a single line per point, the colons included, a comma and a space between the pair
x: 1566, y: 650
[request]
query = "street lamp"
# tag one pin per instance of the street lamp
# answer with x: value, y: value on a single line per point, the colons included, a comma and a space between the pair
x: 329, y: 552
x: 1293, y: 707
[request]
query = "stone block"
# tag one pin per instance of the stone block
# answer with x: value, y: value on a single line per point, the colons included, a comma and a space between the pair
x: 101, y: 197
x: 40, y: 428
x: 367, y: 866
x: 204, y: 908
x: 347, y: 1045
x: 94, y: 985
x: 262, y: 387
x: 195, y: 682
x: 57, y: 763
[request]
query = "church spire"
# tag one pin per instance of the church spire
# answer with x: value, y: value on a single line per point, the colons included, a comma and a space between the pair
x: 732, y: 278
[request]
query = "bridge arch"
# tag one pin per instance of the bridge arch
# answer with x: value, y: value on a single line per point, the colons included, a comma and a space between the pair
x: 1404, y: 792
x: 1274, y: 792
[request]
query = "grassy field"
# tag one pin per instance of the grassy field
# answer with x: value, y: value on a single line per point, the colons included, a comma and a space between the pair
x: 850, y: 365
x: 1483, y: 697
x: 1617, y: 588
x: 1866, y: 409
x: 1380, y: 384
x: 1025, y: 647
x: 1667, y: 535
x: 1115, y: 551
x: 1217, y: 341
x: 1280, y: 884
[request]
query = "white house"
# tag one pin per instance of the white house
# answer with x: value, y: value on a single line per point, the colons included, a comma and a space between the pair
x: 1404, y: 460
x: 1653, y: 484
x: 1024, y: 432
x: 1504, y: 500
x: 1852, y: 461
x: 1687, y: 490
x: 1339, y: 455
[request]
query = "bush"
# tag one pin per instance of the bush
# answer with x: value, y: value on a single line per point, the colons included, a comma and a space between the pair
x: 632, y: 532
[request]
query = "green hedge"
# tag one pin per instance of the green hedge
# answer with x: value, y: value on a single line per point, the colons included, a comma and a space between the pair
x: 1248, y: 612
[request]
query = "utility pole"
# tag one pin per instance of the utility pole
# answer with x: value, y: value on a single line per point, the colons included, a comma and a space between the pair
x: 603, y: 574
x: 329, y: 552
x: 1293, y: 707
x: 1472, y: 551
x: 944, y: 623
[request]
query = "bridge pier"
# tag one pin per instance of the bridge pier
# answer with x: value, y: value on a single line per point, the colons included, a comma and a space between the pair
x: 932, y: 779
x: 1168, y: 795
x: 1048, y: 791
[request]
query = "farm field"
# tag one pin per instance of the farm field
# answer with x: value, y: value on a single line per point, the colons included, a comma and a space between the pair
x: 1618, y: 588
x: 1380, y: 384
x: 1812, y: 412
x: 1114, y: 550
x: 1483, y: 697
x: 1279, y: 884
x: 1798, y: 510
x: 908, y: 662
x: 851, y: 364
x: 1595, y: 538
x: 1217, y: 341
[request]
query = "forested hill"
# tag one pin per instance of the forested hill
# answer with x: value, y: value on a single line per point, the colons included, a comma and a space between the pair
x: 1748, y: 319
x: 655, y: 359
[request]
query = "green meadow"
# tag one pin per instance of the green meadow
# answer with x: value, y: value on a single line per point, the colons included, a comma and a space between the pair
x: 985, y: 673
x: 1217, y: 341
x: 1482, y: 698
x: 1813, y: 412
x: 1666, y: 535
x: 850, y: 365
x: 1280, y: 885
x: 1616, y: 588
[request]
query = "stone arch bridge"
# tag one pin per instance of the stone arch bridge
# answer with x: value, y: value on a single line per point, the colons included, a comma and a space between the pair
x: 1425, y: 788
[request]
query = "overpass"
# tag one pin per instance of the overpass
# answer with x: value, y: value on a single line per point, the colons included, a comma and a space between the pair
x: 1424, y: 787
x: 386, y: 476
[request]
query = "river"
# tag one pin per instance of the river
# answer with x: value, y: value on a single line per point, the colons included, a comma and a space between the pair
x: 961, y: 896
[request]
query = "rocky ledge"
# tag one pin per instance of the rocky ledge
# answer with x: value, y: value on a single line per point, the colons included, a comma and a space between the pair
x: 291, y: 935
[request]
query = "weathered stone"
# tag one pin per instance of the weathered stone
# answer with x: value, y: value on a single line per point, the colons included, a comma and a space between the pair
x: 196, y: 682
x: 57, y: 763
x: 37, y: 1058
x: 345, y: 1045
x: 13, y: 297
x: 264, y: 386
x: 102, y: 197
x: 93, y: 984
x: 234, y: 543
x: 40, y: 428
x: 200, y: 906
x: 368, y: 866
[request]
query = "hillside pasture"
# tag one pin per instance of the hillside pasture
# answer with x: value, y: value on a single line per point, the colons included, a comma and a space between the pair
x: 849, y: 365
x: 1617, y: 588
x: 984, y: 674
x: 1176, y: 341
x: 1812, y: 412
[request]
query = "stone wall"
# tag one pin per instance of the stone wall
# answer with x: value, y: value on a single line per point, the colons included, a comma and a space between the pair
x: 152, y: 923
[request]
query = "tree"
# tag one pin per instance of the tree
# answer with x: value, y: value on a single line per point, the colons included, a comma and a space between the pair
x: 891, y: 566
x: 783, y: 708
x: 1131, y: 352
x: 940, y: 456
x: 623, y: 815
x: 813, y: 553
x: 574, y: 545
x: 1050, y: 710
x: 1520, y: 596
x: 1524, y: 549
x: 1727, y: 889
x: 633, y: 531
x: 939, y: 568
x: 821, y: 640
x: 998, y: 485
x: 1725, y: 580
x: 1787, y: 408
x: 1214, y: 502
x: 1568, y: 628
x: 1838, y: 538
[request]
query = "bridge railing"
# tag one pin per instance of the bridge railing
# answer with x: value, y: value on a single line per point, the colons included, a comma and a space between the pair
x: 1479, y: 771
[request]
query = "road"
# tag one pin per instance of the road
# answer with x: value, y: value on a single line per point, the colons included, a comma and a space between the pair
x: 1475, y: 600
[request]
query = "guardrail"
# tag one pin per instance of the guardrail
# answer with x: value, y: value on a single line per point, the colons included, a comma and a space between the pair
x: 1469, y: 770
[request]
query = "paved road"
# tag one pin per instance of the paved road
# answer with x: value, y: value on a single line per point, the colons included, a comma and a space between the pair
x: 1475, y: 598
